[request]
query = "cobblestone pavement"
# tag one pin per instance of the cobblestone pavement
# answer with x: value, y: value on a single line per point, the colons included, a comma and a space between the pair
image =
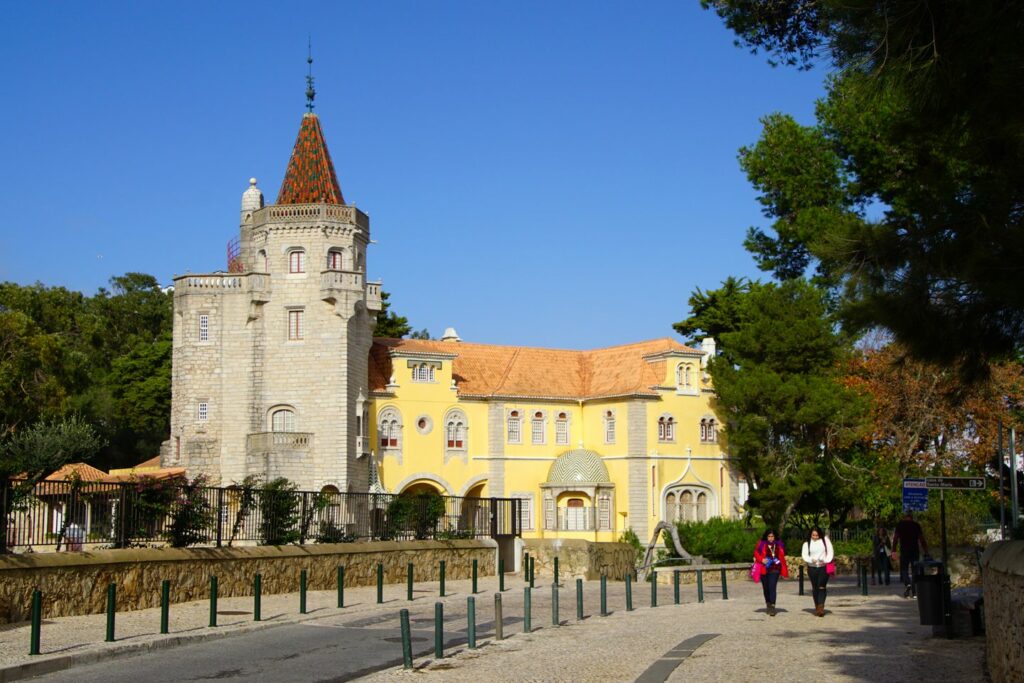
x: 861, y: 638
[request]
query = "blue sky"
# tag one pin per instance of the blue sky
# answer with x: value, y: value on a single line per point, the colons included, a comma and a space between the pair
x: 530, y: 168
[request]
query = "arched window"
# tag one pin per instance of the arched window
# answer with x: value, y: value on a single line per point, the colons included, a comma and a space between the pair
x: 562, y: 428
x: 455, y: 430
x: 609, y: 426
x: 666, y: 428
x: 261, y: 261
x: 424, y: 372
x: 671, y: 511
x: 684, y: 376
x: 686, y: 503
x: 514, y: 427
x: 297, y: 261
x: 282, y: 420
x: 708, y: 430
x: 389, y: 429
x: 334, y: 259
x: 702, y: 507
x: 537, y: 428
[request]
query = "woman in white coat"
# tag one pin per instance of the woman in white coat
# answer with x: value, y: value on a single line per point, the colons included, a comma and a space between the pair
x: 817, y: 555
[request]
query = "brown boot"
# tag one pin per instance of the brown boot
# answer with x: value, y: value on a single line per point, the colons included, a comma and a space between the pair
x: 771, y: 609
x: 819, y: 610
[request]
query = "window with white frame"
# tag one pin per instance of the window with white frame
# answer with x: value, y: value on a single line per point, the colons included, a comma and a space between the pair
x: 389, y: 428
x: 297, y: 261
x: 609, y: 426
x: 684, y: 375
x: 537, y: 428
x: 296, y: 325
x: 204, y: 327
x: 666, y: 428
x: 423, y: 372
x: 334, y: 259
x: 455, y: 430
x: 203, y: 411
x: 562, y: 429
x: 708, y: 430
x: 515, y: 422
x: 525, y: 510
x: 282, y: 420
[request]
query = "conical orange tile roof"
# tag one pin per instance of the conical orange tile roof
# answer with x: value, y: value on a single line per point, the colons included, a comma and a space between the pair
x: 310, y: 178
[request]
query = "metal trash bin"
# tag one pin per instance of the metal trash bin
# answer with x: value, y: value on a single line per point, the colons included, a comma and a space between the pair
x: 928, y: 585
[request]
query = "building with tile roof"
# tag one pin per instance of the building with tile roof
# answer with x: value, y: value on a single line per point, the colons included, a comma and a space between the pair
x: 275, y: 373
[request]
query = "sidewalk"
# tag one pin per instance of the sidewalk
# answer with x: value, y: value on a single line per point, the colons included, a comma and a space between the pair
x: 862, y: 638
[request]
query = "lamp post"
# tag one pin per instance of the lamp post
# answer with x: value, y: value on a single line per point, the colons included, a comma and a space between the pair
x: 1014, y: 501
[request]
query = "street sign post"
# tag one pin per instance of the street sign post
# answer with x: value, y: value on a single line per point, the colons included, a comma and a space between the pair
x: 915, y: 495
x: 970, y: 483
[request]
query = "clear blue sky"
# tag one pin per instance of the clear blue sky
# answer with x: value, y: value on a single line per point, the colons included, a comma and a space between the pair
x: 529, y: 167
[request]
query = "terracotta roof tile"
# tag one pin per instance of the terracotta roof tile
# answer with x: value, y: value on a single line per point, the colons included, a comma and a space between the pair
x: 492, y: 370
x: 310, y: 177
x: 80, y: 469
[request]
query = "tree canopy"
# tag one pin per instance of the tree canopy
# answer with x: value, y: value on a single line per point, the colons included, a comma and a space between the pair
x: 905, y: 195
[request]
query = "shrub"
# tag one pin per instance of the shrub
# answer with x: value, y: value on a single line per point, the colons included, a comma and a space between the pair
x: 191, y: 515
x: 417, y: 514
x: 332, y: 533
x: 718, y: 540
x: 279, y: 512
x: 629, y: 537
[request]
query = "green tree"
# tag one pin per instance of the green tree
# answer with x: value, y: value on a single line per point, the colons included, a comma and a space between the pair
x: 279, y: 512
x: 787, y: 417
x: 390, y: 324
x: 907, y: 190
x: 714, y: 312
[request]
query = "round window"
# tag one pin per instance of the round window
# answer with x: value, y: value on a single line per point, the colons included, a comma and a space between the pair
x: 424, y: 424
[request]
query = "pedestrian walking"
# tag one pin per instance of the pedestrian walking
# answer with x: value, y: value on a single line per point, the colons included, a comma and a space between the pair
x: 881, y: 553
x: 908, y: 539
x: 818, y: 556
x: 770, y: 557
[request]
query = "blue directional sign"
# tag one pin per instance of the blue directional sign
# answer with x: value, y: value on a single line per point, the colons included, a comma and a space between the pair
x: 915, y: 495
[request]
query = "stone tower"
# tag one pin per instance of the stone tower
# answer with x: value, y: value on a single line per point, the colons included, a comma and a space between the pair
x: 270, y: 358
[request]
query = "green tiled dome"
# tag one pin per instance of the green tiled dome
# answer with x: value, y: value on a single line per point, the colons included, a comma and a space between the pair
x: 578, y: 466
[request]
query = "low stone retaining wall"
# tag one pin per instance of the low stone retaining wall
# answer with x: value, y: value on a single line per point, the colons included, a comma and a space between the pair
x: 76, y: 582
x: 582, y: 559
x: 1003, y: 586
x: 712, y: 573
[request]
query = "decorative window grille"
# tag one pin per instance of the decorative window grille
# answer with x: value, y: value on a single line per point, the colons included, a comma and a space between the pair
x: 204, y: 327
x: 295, y: 325
x: 537, y: 428
x: 203, y: 411
x: 609, y: 427
x: 514, y: 434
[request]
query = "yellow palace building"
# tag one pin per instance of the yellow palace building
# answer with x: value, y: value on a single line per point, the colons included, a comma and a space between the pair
x: 276, y: 373
x: 593, y: 442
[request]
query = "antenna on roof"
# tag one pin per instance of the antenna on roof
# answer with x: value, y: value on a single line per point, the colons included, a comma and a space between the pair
x: 310, y: 90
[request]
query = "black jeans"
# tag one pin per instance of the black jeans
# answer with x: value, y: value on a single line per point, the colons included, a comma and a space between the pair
x: 819, y: 582
x: 769, y: 584
x: 907, y: 557
x: 882, y: 566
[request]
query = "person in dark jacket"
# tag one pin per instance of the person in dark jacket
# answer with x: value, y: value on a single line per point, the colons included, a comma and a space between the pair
x: 908, y: 539
x: 881, y: 551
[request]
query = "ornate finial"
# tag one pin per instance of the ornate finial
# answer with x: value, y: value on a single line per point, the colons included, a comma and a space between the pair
x: 310, y: 91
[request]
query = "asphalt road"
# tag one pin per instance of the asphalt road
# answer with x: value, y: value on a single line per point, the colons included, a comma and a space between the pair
x: 332, y: 649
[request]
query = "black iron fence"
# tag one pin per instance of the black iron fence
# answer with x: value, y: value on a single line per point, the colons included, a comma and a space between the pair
x: 73, y: 514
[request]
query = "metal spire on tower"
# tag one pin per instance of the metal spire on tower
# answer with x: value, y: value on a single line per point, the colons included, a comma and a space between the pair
x: 310, y: 90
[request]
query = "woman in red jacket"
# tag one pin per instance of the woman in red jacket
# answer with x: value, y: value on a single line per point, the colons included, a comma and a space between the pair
x: 770, y: 556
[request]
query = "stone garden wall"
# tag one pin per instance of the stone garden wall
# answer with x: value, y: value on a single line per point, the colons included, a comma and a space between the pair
x: 76, y: 582
x: 1003, y: 586
x: 582, y: 559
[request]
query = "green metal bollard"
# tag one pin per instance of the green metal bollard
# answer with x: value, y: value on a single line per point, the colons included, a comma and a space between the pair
x: 380, y: 583
x: 213, y: 601
x: 474, y: 576
x: 408, y: 581
x: 111, y: 609
x: 501, y: 575
x: 675, y: 586
x: 165, y: 606
x: 526, y: 566
x: 257, y: 598
x: 555, y: 621
x: 302, y: 592
x: 37, y: 621
x: 471, y: 621
x: 654, y: 589
x: 725, y: 587
x: 499, y: 625
x: 526, y: 610
x: 864, y: 580
x: 700, y: 585
x: 403, y: 617
x: 579, y: 599
x: 604, y: 595
x: 341, y: 586
x: 556, y: 570
x: 801, y: 580
x: 439, y: 630
x: 533, y: 568
x: 442, y: 578
x: 629, y: 593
